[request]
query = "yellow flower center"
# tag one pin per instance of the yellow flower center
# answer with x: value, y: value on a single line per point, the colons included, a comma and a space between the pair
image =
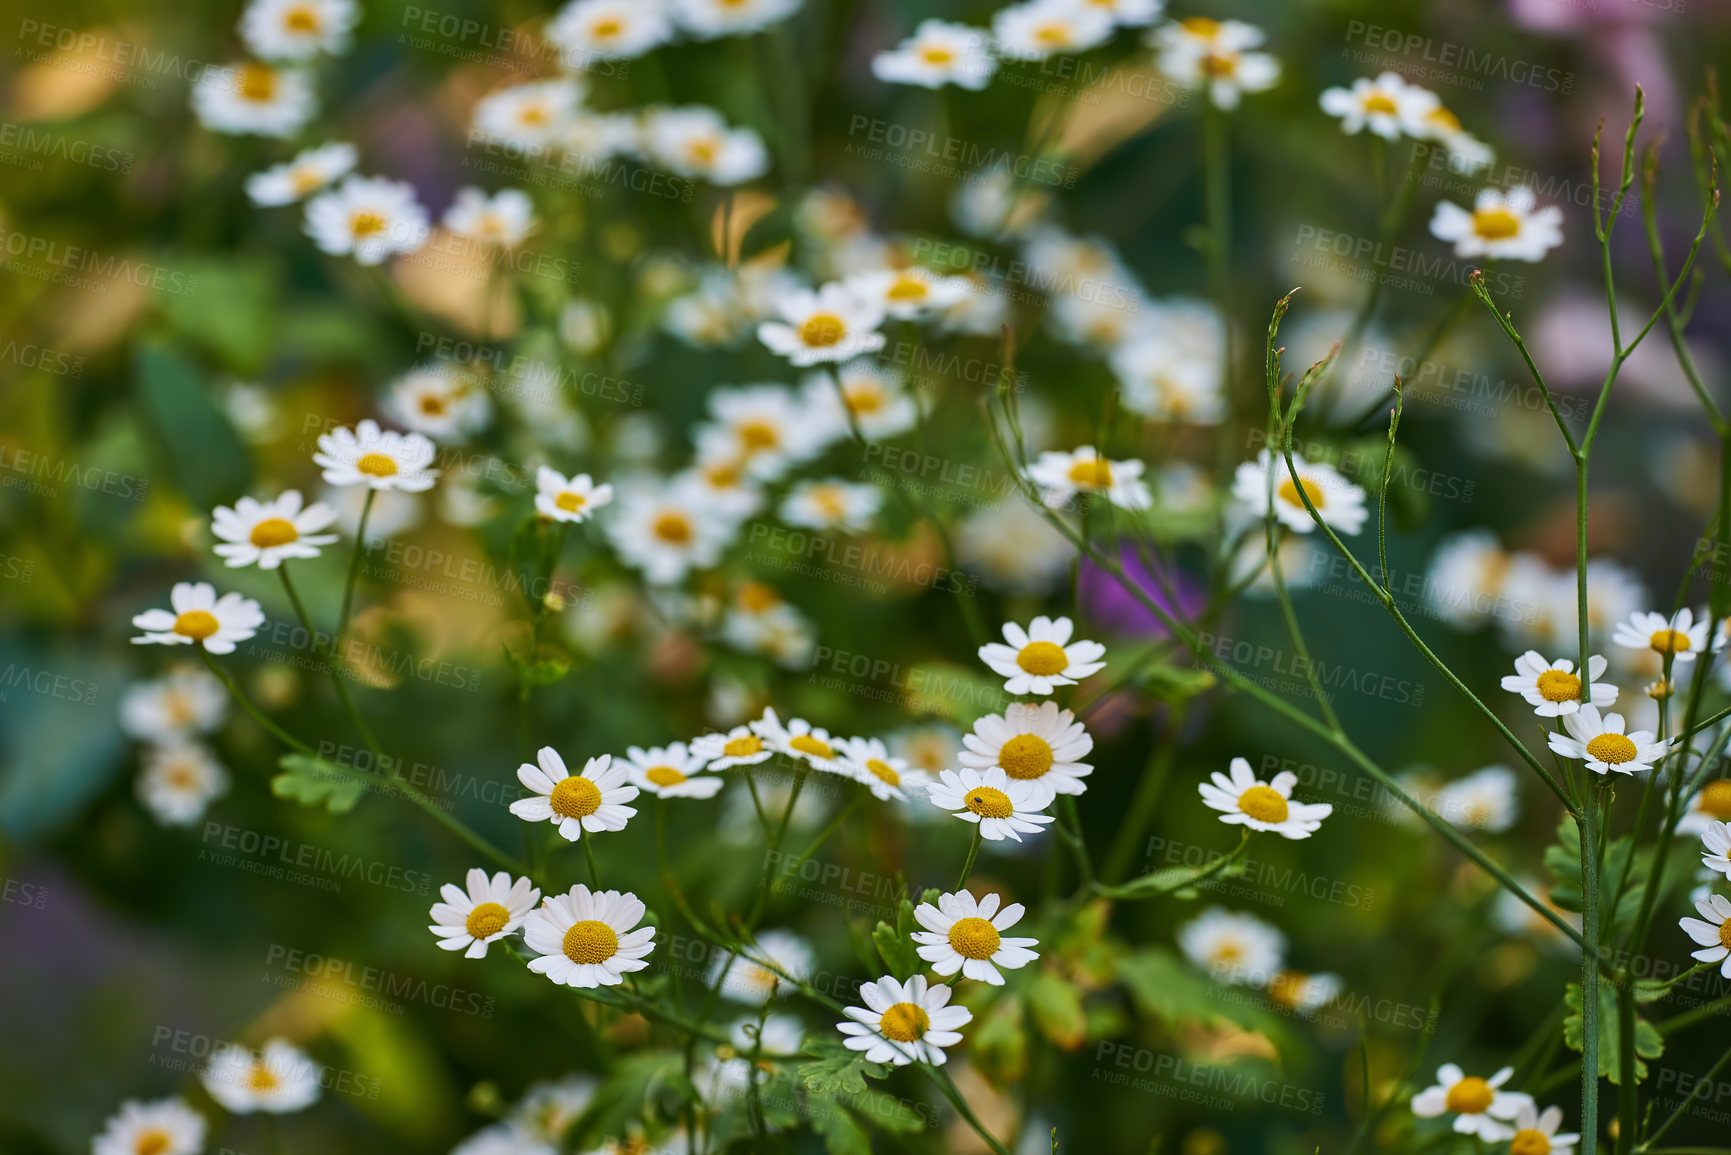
x: 1557, y: 686
x: 1219, y: 65
x: 904, y: 1022
x: 673, y: 528
x: 908, y: 289
x: 152, y: 1142
x: 1203, y: 27
x: 974, y: 938
x: 816, y: 747
x: 664, y: 775
x: 1470, y: 1096
x: 937, y: 55
x: 1094, y: 473
x: 755, y: 598
x: 607, y: 28
x: 884, y: 771
x: 1669, y: 642
x: 377, y: 465
x: 758, y: 435
x: 1025, y: 756
x: 301, y: 18
x: 262, y: 1078
x: 1055, y: 34
x: 590, y: 942
x: 273, y: 531
x: 1725, y: 933
x: 703, y: 150
x: 256, y: 82
x: 1612, y: 748
x: 569, y: 502
x: 305, y: 180
x: 1716, y: 799
x: 1263, y: 803
x: 433, y: 405
x: 1444, y: 119
x: 196, y: 624
x: 534, y: 115
x: 1289, y: 493
x: 1530, y: 1142
x: 487, y: 919
x: 821, y: 330
x: 1288, y: 987
x: 863, y: 398
x: 989, y: 803
x: 1377, y: 102
x: 575, y: 797
x: 743, y: 747
x: 830, y: 501
x: 1042, y: 659
x: 1495, y: 224
x: 723, y: 476
x: 367, y: 224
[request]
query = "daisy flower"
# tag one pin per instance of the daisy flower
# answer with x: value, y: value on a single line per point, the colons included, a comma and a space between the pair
x: 1712, y: 803
x: 768, y: 427
x: 367, y: 217
x: 1554, y: 689
x: 253, y: 99
x: 910, y: 293
x: 377, y: 459
x: 1014, y: 548
x: 1063, y: 475
x: 1467, y: 153
x: 1034, y: 744
x: 1386, y: 105
x: 200, y: 617
x: 1486, y: 799
x: 487, y: 911
x: 966, y: 934
x: 1714, y: 934
x: 183, y: 703
x: 1243, y: 800
x: 587, y: 939
x: 904, y: 1023
x: 667, y: 529
x: 671, y: 771
x: 1001, y: 806
x: 609, y: 29
x: 1303, y: 994
x: 938, y: 53
x: 589, y: 802
x: 873, y: 396
x: 1129, y: 13
x: 439, y: 401
x: 738, y: 747
x: 162, y: 1127
x: 1678, y: 639
x: 731, y: 1073
x: 709, y: 19
x: 1339, y: 502
x: 751, y: 982
x: 1476, y: 1103
x: 694, y: 141
x: 1501, y: 226
x: 831, y: 324
x: 1233, y: 947
x: 1215, y: 54
x: 574, y: 498
x: 780, y: 632
x: 537, y: 113
x: 298, y: 29
x: 178, y: 781
x: 1717, y: 839
x: 887, y: 775
x: 1536, y: 1132
x: 1603, y: 745
x: 1042, y: 657
x: 506, y: 218
x: 268, y: 533
x: 310, y: 171
x: 277, y: 1080
x: 1042, y: 28
x: 547, y: 1109
x: 831, y: 504
x: 504, y: 1139
x: 801, y: 741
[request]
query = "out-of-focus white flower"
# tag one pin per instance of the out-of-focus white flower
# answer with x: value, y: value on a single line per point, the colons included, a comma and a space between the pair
x: 1501, y: 226
x: 440, y: 400
x: 1215, y: 55
x: 253, y: 99
x: 1487, y: 799
x: 1388, y: 105
x: 506, y: 218
x: 277, y: 1080
x: 298, y: 29
x: 1337, y: 501
x: 1042, y: 28
x: 369, y: 218
x: 831, y: 324
x: 1014, y: 548
x: 910, y: 292
x: 939, y: 53
x: 743, y: 976
x: 609, y: 29
x: 1233, y: 947
x: 667, y: 529
x: 568, y: 499
x: 178, y: 781
x: 182, y: 704
x: 537, y: 113
x: 1170, y: 367
x: 873, y: 396
x: 694, y: 141
x: 832, y: 504
x: 161, y: 1127
x: 708, y: 19
x: 1063, y: 475
x: 1478, y: 1105
x: 310, y: 171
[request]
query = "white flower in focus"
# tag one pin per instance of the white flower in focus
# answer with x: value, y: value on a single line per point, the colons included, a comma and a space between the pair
x: 831, y: 324
x: 277, y: 1080
x: 488, y: 909
x: 1063, y: 475
x: 801, y: 741
x: 588, y: 939
x: 182, y: 704
x: 377, y: 459
x: 831, y: 504
x: 1386, y: 105
x: 709, y: 19
x: 1476, y: 1103
x: 939, y: 53
x: 588, y: 802
x: 1603, y: 745
x: 1678, y: 638
x: 568, y: 499
x: 904, y: 1023
x: 608, y: 29
x: 1042, y: 657
x: 310, y: 171
x: 161, y: 1127
x: 748, y: 981
x: 537, y: 113
x: 1244, y: 800
x: 671, y: 771
x: 738, y: 747
x: 1035, y: 744
x: 368, y: 218
x: 1501, y: 226
x: 1714, y: 934
x: 506, y: 218
x: 1002, y: 807
x: 1553, y: 688
x: 885, y: 774
x: 667, y: 529
x: 1233, y: 947
x: 1215, y: 55
x: 965, y: 934
x: 1041, y: 28
x: 268, y: 533
x: 1716, y: 837
x: 179, y: 781
x: 1338, y: 501
x: 200, y: 617
x: 298, y: 29
x: 1487, y: 799
x: 253, y: 99
x: 694, y: 141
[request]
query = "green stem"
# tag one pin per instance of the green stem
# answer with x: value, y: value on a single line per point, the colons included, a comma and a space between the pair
x: 355, y: 566
x: 584, y: 838
x: 968, y: 863
x: 1148, y: 790
x: 1590, y: 974
x: 331, y: 665
x: 1704, y: 1083
x: 256, y: 714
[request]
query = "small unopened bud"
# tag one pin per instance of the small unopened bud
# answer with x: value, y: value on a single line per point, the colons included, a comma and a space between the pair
x: 554, y: 601
x: 1660, y: 689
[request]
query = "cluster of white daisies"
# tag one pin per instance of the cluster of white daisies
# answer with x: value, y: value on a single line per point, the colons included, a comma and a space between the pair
x: 278, y: 1079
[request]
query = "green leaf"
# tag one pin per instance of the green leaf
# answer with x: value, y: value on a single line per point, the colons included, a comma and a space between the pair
x: 315, y: 782
x: 1649, y: 1044
x: 1057, y: 1008
x: 1563, y: 860
x: 1000, y: 1045
x: 1173, y: 684
x: 841, y: 1135
x: 897, y: 950
x: 836, y: 1070
x: 1166, y: 987
x: 200, y: 447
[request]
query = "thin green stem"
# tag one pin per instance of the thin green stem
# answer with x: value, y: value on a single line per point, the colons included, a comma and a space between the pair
x: 246, y: 704
x: 968, y: 863
x: 355, y: 566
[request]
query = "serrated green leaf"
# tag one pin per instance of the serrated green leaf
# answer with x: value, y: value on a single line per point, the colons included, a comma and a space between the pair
x: 1649, y: 1044
x: 897, y: 950
x: 836, y: 1070
x: 315, y: 782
